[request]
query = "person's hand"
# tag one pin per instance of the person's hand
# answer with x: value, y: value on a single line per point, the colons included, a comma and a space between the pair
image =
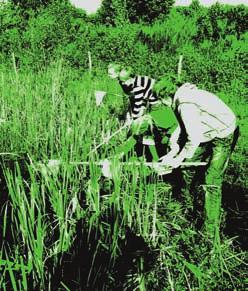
x: 174, y: 163
x: 161, y: 169
x: 110, y: 168
x: 106, y: 168
x: 170, y: 162
x: 128, y: 120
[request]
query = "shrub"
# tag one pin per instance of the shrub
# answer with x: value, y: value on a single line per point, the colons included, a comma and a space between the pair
x: 169, y: 35
x: 11, y: 26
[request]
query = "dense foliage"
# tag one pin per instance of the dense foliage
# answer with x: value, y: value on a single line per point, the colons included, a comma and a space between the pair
x: 116, y: 11
x: 53, y: 214
x: 60, y: 30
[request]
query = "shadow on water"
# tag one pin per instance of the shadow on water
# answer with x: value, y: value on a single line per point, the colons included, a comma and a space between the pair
x: 88, y: 264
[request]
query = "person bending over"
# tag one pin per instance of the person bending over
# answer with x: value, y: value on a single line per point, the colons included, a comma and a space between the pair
x: 208, y: 130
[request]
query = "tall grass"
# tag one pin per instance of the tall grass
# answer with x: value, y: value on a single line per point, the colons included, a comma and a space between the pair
x: 49, y: 123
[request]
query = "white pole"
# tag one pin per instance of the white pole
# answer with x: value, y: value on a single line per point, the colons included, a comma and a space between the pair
x: 179, y: 67
x: 100, y: 163
x: 14, y: 65
x: 90, y: 61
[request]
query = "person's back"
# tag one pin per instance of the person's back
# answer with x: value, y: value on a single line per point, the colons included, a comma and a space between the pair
x: 215, y: 117
x: 139, y: 89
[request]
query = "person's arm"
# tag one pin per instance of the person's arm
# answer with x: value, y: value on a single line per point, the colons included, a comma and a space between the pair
x: 133, y: 88
x: 149, y: 95
x: 164, y: 117
x: 137, y: 111
x: 125, y: 147
x: 173, y: 145
x: 190, y: 117
x: 142, y: 91
x: 138, y: 127
x: 173, y: 141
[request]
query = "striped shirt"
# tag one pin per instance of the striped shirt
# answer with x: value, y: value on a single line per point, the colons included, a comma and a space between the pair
x: 140, y: 94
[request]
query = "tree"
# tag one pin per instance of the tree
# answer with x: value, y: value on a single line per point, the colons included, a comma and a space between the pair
x: 119, y: 11
x: 195, y: 5
x: 148, y: 10
x: 35, y: 4
x: 113, y: 12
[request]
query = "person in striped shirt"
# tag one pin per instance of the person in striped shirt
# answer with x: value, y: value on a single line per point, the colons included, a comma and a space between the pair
x: 144, y: 103
x: 138, y: 88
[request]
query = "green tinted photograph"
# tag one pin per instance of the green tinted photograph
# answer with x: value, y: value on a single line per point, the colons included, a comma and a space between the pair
x: 123, y: 145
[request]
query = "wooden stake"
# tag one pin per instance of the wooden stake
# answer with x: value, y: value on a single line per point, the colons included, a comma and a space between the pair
x: 14, y: 65
x: 90, y: 61
x: 179, y: 67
